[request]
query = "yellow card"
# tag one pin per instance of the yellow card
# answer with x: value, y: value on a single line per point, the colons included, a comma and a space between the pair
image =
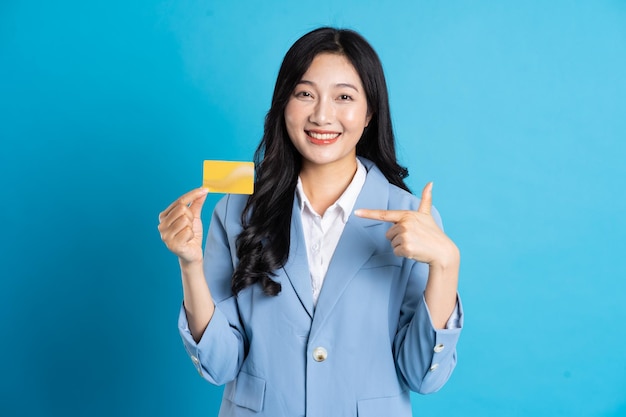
x: 228, y: 177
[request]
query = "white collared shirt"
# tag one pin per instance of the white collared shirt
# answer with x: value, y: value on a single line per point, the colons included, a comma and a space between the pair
x: 322, y: 232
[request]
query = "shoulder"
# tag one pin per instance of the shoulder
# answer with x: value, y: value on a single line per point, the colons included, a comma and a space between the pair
x: 228, y: 210
x: 400, y: 199
x: 231, y: 203
x: 397, y: 198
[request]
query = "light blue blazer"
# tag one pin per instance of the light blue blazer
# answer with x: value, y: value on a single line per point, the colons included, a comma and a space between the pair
x: 368, y: 341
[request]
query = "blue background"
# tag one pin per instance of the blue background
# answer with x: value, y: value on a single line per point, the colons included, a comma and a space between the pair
x: 516, y: 110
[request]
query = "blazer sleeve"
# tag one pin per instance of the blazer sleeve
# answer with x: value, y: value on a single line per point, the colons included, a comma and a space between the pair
x: 220, y: 352
x: 425, y: 356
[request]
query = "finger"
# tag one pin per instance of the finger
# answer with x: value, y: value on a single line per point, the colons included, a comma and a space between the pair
x: 177, y: 242
x: 177, y: 212
x: 196, y: 205
x: 185, y: 199
x: 427, y: 199
x: 192, y: 195
x: 394, y: 231
x: 180, y: 223
x: 384, y: 215
x: 396, y: 241
x: 184, y: 235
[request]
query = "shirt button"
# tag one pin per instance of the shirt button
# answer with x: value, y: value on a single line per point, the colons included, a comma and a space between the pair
x: 320, y: 354
x: 438, y: 348
x: 196, y: 362
x: 433, y: 367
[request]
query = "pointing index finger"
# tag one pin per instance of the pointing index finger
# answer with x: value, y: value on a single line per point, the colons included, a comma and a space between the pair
x: 384, y: 215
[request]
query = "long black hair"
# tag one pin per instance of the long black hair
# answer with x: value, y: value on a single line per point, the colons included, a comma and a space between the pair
x: 263, y: 245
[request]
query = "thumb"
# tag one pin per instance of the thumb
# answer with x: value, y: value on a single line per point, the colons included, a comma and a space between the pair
x: 427, y: 199
x: 196, y: 205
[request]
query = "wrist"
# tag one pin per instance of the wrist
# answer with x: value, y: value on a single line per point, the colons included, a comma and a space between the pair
x: 448, y: 259
x: 190, y: 267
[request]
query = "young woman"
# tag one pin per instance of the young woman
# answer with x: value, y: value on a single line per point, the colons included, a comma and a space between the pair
x: 332, y: 290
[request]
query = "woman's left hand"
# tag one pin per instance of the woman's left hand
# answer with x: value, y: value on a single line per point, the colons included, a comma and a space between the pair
x: 415, y: 235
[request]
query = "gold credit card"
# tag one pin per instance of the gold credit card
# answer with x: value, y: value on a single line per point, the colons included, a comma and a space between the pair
x: 228, y: 177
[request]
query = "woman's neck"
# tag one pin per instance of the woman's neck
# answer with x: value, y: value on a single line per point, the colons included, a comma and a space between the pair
x: 324, y: 184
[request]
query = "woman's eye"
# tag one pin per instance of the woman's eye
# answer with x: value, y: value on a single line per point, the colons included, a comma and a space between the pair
x: 345, y: 97
x: 303, y: 94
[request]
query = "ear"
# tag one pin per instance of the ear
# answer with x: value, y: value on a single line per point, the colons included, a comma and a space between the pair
x: 368, y: 118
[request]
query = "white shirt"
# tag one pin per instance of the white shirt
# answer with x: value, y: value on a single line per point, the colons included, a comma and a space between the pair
x: 322, y: 233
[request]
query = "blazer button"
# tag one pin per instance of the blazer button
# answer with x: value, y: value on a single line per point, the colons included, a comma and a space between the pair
x: 438, y: 348
x: 320, y: 354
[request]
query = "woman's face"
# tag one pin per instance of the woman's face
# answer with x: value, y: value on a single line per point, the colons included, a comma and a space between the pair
x: 327, y: 112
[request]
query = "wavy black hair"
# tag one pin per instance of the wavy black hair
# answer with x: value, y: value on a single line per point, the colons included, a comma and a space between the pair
x: 263, y: 244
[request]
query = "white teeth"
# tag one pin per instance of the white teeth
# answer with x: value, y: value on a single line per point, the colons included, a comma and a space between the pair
x: 323, y: 136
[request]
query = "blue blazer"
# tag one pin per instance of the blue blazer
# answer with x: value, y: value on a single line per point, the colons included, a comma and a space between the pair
x: 368, y: 341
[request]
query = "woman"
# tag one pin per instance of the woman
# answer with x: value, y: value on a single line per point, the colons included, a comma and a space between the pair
x: 331, y: 291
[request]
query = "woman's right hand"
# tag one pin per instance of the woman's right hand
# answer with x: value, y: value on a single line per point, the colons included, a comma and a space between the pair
x: 180, y: 226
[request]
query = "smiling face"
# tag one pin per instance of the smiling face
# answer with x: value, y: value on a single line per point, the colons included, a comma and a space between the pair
x: 327, y: 113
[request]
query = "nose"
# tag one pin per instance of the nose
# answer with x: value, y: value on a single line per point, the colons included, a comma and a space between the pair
x: 323, y: 112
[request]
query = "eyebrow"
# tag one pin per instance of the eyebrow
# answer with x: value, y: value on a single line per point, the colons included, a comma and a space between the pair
x: 348, y: 85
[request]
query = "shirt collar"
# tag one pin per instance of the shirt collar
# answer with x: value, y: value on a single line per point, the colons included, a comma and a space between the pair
x: 346, y: 201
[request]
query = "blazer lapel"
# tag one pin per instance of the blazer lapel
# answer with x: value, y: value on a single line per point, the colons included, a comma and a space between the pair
x: 297, y: 266
x: 355, y: 246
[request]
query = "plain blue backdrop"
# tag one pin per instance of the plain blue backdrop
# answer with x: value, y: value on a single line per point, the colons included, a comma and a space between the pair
x: 516, y: 111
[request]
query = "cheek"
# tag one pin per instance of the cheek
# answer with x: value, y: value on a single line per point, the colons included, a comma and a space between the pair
x: 292, y: 114
x: 292, y: 123
x: 287, y: 113
x: 289, y: 119
x: 356, y: 118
